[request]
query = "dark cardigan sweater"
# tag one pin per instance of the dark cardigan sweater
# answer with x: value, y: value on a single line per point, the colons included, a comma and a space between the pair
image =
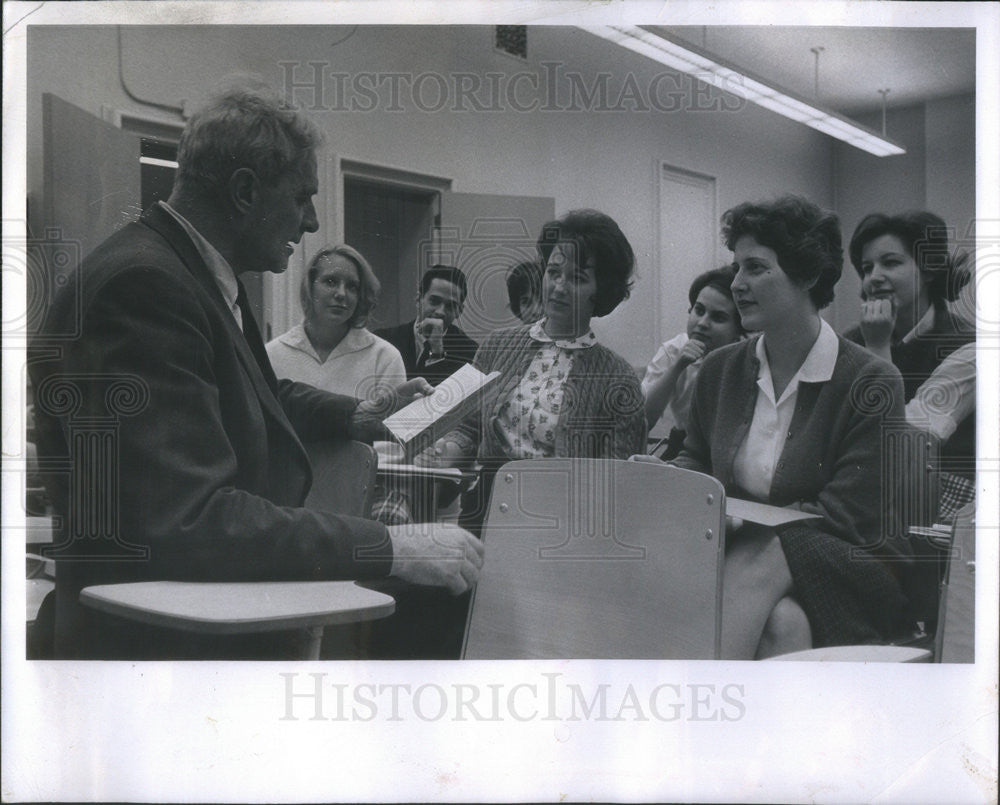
x: 844, y: 572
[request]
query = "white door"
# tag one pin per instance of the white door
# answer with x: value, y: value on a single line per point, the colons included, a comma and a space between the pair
x: 689, y: 238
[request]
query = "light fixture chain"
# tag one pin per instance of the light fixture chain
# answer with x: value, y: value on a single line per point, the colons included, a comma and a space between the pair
x: 883, y: 93
x: 816, y: 51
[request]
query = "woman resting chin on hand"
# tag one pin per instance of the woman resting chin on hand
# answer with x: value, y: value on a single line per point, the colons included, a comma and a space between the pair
x: 908, y: 277
x: 713, y: 322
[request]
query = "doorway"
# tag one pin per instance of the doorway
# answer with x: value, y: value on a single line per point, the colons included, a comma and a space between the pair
x: 404, y: 222
x: 688, y: 246
x: 390, y: 225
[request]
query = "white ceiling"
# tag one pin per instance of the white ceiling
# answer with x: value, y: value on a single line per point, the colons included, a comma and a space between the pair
x: 915, y: 64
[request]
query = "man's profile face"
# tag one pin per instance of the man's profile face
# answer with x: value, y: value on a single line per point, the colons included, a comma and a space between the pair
x: 284, y: 211
x: 442, y: 300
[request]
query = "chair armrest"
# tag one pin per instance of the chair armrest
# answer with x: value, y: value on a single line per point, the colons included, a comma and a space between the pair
x: 857, y: 654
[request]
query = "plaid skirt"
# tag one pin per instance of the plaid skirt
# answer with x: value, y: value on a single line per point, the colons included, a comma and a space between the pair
x: 955, y: 492
x: 850, y: 596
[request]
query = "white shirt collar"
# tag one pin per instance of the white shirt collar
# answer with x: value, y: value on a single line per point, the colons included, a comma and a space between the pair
x: 537, y: 332
x: 420, y: 338
x: 218, y: 266
x: 357, y: 339
x: 816, y: 368
x: 926, y: 323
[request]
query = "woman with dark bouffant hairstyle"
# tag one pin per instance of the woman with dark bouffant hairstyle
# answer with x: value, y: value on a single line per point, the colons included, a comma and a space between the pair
x: 560, y: 393
x: 793, y: 417
x: 908, y: 277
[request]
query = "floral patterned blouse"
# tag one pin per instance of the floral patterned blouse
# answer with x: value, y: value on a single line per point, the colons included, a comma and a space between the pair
x: 527, y: 418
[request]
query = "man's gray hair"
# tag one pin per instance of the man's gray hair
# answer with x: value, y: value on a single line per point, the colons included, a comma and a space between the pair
x: 244, y: 124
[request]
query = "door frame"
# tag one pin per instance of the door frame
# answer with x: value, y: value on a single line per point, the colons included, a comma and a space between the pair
x: 142, y: 123
x: 281, y: 295
x: 377, y: 173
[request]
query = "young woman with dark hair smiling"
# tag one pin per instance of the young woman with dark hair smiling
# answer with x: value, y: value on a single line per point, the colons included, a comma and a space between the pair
x: 909, y: 277
x: 668, y: 383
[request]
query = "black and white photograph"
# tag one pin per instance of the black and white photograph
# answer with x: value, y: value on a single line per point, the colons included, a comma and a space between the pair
x: 547, y: 401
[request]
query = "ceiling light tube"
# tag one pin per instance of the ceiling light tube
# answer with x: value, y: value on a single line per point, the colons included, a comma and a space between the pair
x: 778, y: 105
x: 712, y: 70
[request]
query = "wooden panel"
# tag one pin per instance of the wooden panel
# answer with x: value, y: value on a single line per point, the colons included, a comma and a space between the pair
x: 590, y: 558
x: 91, y: 183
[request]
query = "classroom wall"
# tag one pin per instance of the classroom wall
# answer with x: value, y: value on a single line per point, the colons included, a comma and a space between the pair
x: 950, y: 131
x: 597, y: 156
x: 594, y: 156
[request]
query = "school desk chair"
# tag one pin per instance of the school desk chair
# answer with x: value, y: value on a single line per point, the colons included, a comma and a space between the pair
x: 343, y: 482
x: 599, y: 558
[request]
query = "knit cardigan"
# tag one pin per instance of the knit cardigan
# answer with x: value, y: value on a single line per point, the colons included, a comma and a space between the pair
x: 602, y: 415
x: 845, y: 573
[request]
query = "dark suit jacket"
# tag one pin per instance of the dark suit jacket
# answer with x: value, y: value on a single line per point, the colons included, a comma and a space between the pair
x: 459, y: 349
x: 180, y: 451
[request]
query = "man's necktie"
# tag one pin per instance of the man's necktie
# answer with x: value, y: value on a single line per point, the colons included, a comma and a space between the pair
x: 425, y: 353
x: 252, y: 334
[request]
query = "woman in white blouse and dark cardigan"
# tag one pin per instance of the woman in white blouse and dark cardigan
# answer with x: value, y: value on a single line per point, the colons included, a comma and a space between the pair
x: 794, y: 417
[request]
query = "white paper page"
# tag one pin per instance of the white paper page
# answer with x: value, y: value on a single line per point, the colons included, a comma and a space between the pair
x: 763, y: 513
x: 415, y: 417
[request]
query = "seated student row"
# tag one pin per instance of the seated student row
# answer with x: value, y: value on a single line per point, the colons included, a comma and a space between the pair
x: 212, y: 471
x: 788, y: 258
x: 787, y: 439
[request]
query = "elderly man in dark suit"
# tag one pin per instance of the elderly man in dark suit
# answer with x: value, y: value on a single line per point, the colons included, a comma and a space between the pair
x: 432, y: 345
x: 202, y: 474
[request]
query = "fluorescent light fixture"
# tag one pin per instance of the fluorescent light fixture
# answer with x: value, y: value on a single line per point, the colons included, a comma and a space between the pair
x: 712, y: 70
x: 646, y: 44
x: 161, y: 163
x: 782, y: 108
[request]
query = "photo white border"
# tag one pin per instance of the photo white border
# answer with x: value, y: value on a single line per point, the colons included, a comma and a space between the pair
x: 214, y: 731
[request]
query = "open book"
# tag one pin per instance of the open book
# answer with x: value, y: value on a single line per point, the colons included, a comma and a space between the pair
x: 426, y: 419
